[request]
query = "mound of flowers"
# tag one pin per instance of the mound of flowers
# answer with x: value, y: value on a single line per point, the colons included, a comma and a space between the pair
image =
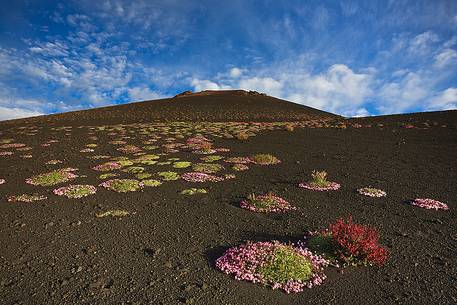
x: 277, y: 265
x: 108, y: 166
x: 427, y: 203
x: 371, y: 192
x: 123, y: 185
x: 347, y: 243
x: 320, y: 183
x: 2, y: 181
x: 28, y: 198
x: 76, y: 191
x: 266, y: 203
x: 264, y: 159
x: 200, y: 177
x: 53, y: 178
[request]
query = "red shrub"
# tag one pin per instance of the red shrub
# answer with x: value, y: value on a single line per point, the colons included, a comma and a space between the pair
x: 357, y: 242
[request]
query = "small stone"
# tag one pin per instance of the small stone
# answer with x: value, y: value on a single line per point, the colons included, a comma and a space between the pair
x: 168, y: 264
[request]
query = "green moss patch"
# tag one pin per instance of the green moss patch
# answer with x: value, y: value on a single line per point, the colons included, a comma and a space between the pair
x: 168, y: 176
x: 193, y: 191
x: 182, y: 164
x: 208, y: 168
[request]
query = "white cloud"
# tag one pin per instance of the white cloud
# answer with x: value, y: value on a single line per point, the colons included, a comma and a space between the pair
x: 447, y: 57
x: 421, y: 44
x: 235, y: 72
x: 142, y: 94
x: 204, y: 84
x: 445, y: 100
x: 261, y: 84
x: 339, y: 89
x: 16, y: 113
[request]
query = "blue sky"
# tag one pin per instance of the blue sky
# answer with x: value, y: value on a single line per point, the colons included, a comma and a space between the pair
x: 348, y: 57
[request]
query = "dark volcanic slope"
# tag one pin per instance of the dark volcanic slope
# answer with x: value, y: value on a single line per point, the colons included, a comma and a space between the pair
x: 230, y: 105
x: 56, y: 251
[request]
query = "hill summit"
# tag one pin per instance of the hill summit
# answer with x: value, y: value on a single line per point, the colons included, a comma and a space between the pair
x: 208, y: 105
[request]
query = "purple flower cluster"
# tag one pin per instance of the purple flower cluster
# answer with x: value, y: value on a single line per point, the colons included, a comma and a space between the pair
x: 75, y: 191
x: 276, y: 204
x: 245, y: 261
x: 427, y: 203
x: 332, y: 186
x: 200, y: 177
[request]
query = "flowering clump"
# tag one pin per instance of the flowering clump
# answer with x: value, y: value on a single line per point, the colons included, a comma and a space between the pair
x: 211, y: 158
x: 2, y: 181
x: 106, y: 176
x: 275, y: 264
x: 113, y: 213
x: 133, y: 169
x: 168, y: 176
x: 193, y: 191
x: 129, y: 149
x: 87, y: 150
x: 182, y: 164
x: 238, y: 160
x: 123, y: 185
x: 371, y: 192
x: 151, y: 182
x: 266, y: 203
x: 264, y: 159
x: 427, y: 203
x: 200, y: 177
x: 28, y: 198
x: 240, y: 167
x: 348, y: 243
x: 53, y: 162
x: 12, y: 145
x: 6, y: 153
x: 75, y: 191
x: 108, y: 166
x: 208, y: 168
x: 53, y: 178
x: 320, y: 183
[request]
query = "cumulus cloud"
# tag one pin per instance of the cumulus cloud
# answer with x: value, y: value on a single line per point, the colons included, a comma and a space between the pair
x: 338, y: 89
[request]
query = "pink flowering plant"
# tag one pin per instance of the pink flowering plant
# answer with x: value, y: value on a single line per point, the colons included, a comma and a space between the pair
x: 266, y: 203
x: 200, y: 177
x: 371, y: 192
x: 274, y: 264
x: 320, y: 183
x: 430, y: 204
x: 27, y: 198
x: 75, y: 191
x: 2, y: 181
